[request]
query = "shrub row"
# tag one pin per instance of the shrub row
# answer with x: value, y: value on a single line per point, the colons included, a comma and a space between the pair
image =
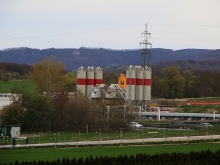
x: 193, y: 158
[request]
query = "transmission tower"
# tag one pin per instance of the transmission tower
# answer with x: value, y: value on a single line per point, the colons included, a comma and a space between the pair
x: 146, y: 47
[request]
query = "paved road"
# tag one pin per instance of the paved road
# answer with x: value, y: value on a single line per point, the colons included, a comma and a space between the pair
x: 186, y: 138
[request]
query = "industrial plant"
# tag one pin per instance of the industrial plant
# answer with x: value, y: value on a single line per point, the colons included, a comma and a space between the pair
x: 133, y: 89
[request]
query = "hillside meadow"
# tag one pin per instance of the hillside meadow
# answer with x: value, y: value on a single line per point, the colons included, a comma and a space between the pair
x: 23, y: 84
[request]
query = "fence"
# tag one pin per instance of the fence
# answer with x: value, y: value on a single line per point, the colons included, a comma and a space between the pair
x: 101, y: 135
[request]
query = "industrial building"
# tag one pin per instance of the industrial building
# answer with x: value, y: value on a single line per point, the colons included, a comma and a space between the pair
x: 8, y: 98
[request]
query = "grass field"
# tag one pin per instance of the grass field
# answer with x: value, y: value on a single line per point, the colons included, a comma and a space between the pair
x: 11, y: 155
x: 201, y: 109
x: 23, y: 84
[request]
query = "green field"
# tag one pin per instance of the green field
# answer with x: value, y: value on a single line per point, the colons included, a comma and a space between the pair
x: 23, y: 84
x: 11, y: 155
x: 201, y: 109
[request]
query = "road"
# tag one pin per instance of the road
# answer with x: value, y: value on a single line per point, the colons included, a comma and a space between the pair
x: 122, y: 141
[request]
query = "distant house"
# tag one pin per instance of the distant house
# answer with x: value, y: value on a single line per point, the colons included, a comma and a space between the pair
x: 7, y: 99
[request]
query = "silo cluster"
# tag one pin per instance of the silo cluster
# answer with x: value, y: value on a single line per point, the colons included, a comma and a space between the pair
x: 138, y: 83
x: 88, y: 78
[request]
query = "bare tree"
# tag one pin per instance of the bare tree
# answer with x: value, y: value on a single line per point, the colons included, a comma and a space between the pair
x: 59, y: 99
x: 80, y: 112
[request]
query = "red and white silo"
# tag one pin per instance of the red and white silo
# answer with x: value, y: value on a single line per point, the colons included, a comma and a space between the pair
x: 90, y: 82
x: 139, y: 82
x: 130, y: 83
x: 147, y: 83
x: 81, y: 80
x: 98, y: 76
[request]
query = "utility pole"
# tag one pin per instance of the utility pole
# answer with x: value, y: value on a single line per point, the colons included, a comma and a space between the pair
x: 146, y: 47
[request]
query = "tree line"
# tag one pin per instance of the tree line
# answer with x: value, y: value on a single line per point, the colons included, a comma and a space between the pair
x: 10, y: 71
x: 174, y: 83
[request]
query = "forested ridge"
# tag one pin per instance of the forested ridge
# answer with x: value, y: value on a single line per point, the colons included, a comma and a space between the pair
x: 74, y: 58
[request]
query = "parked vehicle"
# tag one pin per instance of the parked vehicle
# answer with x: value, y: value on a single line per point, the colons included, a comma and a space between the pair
x: 135, y: 125
x: 205, y: 125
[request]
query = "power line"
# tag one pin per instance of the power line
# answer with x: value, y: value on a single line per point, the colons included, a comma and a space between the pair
x: 106, y: 29
x: 138, y: 39
x: 183, y: 25
x: 185, y: 39
x: 53, y: 35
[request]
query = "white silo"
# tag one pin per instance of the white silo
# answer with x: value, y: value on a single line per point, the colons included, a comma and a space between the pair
x: 147, y: 83
x: 130, y: 83
x: 139, y: 83
x: 90, y: 81
x: 81, y: 80
x: 98, y: 76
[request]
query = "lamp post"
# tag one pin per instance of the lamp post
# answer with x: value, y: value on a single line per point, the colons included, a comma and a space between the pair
x: 33, y: 142
x: 163, y: 131
x: 2, y: 140
x: 121, y: 135
x: 100, y: 135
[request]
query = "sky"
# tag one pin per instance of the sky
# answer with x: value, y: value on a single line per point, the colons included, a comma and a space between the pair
x: 112, y: 24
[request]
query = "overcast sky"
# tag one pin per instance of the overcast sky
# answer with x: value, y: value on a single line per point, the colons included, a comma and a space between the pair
x: 115, y: 24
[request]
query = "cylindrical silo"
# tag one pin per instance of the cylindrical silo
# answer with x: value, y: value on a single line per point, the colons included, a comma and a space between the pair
x: 147, y: 83
x: 81, y: 80
x: 139, y: 83
x: 130, y: 83
x: 98, y: 76
x: 90, y: 81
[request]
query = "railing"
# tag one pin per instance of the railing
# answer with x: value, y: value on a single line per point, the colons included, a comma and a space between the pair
x: 117, y: 135
x: 121, y: 91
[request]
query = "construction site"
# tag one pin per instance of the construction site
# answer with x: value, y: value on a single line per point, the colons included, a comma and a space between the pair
x: 132, y: 93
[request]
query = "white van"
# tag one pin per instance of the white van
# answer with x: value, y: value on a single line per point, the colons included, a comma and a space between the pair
x: 135, y: 125
x: 204, y: 125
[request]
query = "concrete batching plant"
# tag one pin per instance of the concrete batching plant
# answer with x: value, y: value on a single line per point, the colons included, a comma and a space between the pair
x: 134, y: 89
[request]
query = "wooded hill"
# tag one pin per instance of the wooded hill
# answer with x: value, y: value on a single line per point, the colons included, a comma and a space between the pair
x: 74, y: 58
